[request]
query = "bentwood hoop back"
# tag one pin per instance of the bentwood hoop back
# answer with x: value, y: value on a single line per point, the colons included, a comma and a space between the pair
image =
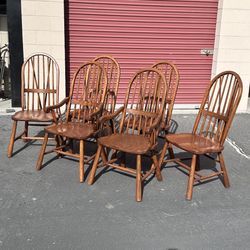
x: 210, y: 128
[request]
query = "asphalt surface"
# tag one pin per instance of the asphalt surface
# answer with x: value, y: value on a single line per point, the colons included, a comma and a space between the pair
x: 50, y: 209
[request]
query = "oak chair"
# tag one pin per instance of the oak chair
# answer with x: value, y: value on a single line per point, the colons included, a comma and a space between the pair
x: 84, y: 109
x: 210, y: 129
x: 40, y: 88
x: 143, y: 108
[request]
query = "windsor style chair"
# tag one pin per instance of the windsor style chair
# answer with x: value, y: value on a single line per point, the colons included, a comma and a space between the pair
x: 143, y: 108
x: 210, y: 129
x: 84, y: 109
x: 40, y: 88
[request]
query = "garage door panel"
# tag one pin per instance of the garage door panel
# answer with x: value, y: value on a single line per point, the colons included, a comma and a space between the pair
x: 140, y: 32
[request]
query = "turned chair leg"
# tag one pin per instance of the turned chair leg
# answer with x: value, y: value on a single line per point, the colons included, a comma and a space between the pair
x: 59, y: 142
x: 12, y: 139
x: 94, y: 167
x: 167, y: 146
x: 157, y: 168
x: 81, y: 165
x: 113, y: 153
x: 138, y: 179
x: 104, y: 156
x: 71, y: 146
x: 25, y: 133
x: 123, y: 159
x: 163, y: 153
x: 197, y: 166
x: 171, y: 151
x: 41, y: 155
x: 223, y: 168
x: 191, y: 179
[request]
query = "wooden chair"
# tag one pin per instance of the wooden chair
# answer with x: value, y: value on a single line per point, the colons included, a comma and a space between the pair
x: 40, y: 88
x: 210, y: 128
x: 172, y: 76
x: 84, y: 109
x: 143, y: 107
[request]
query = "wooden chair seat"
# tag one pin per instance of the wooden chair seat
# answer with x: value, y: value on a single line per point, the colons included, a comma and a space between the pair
x: 29, y: 115
x: 194, y: 143
x: 129, y: 143
x: 72, y: 130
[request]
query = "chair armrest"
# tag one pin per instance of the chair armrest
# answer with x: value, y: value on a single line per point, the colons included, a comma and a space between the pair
x: 155, y: 125
x: 98, y: 111
x: 105, y: 118
x: 57, y: 106
x: 56, y: 111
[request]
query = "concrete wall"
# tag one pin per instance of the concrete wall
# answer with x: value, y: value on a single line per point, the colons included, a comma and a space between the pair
x: 43, y: 31
x: 232, y: 42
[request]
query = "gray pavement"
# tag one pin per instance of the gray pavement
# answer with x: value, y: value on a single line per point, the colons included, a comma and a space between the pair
x: 50, y: 209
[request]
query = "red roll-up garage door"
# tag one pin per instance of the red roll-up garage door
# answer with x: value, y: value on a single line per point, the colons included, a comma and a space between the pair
x: 140, y: 32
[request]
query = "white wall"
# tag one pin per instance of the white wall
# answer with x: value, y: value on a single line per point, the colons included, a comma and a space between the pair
x: 232, y: 42
x: 43, y: 31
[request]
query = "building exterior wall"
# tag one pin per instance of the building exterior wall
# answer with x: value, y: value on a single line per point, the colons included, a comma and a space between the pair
x: 43, y: 31
x: 232, y: 42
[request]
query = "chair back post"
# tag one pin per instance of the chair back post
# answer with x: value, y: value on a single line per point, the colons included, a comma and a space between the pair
x: 219, y: 106
x: 40, y: 82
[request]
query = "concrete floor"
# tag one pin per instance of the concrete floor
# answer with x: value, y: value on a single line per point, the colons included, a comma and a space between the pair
x: 50, y: 209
